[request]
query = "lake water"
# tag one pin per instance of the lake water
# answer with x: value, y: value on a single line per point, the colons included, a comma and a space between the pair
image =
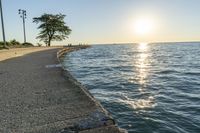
x: 148, y: 88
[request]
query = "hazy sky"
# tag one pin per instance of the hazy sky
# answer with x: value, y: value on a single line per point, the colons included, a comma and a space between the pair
x: 109, y: 21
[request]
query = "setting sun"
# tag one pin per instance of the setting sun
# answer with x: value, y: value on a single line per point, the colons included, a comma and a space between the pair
x: 143, y: 26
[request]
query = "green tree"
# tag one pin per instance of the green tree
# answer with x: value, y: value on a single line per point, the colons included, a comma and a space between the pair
x: 52, y: 28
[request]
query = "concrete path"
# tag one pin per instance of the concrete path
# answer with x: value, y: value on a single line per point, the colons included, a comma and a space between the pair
x: 36, y: 99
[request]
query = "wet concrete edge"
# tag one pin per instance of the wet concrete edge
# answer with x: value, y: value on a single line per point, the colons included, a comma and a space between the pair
x: 60, y: 56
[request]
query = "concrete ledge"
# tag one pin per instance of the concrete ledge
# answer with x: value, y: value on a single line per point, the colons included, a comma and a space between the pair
x: 99, y: 121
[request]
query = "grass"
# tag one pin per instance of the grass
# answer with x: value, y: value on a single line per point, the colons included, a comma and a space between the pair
x: 15, y: 44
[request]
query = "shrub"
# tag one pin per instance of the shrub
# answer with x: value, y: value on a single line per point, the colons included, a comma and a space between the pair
x: 2, y: 43
x: 14, y: 42
x: 10, y: 43
x: 27, y: 44
x: 39, y: 44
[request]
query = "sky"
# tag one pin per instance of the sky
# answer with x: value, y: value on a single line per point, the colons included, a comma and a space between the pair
x: 109, y: 21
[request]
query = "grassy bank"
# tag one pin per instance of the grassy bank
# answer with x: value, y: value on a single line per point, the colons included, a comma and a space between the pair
x: 15, y: 44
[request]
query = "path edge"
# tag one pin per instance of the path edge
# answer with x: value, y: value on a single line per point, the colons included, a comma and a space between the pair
x: 60, y: 57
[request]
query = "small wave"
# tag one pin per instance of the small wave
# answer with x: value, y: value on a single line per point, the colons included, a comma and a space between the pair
x: 167, y: 72
x: 192, y: 73
x: 139, y: 103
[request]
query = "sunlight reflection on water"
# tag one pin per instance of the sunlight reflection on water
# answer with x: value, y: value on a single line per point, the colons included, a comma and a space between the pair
x: 141, y: 64
x: 140, y: 103
x: 146, y: 87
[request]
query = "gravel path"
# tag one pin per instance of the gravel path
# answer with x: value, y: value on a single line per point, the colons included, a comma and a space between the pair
x: 37, y: 99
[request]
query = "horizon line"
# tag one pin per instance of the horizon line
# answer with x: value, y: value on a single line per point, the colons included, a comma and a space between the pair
x: 144, y: 42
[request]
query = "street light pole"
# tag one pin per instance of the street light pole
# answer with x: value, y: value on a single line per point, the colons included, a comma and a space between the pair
x: 23, y: 16
x: 2, y: 23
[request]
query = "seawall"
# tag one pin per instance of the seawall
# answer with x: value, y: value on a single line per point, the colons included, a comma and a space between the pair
x: 99, y: 121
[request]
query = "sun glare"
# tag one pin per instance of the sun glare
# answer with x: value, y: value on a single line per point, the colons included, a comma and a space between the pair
x: 143, y: 46
x: 143, y: 26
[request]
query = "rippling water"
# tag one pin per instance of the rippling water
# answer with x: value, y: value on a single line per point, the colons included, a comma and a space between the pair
x: 148, y: 88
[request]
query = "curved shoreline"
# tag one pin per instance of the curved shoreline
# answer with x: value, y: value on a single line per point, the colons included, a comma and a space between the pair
x: 110, y: 121
x: 36, y: 97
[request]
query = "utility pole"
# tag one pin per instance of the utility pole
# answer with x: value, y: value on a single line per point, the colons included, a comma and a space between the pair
x: 23, y: 16
x: 2, y: 23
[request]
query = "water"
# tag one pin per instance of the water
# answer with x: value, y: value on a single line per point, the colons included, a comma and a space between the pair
x: 148, y: 88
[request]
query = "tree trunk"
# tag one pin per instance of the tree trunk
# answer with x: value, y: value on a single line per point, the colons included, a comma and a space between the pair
x: 49, y: 42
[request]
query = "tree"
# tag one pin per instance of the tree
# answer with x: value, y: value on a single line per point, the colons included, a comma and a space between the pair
x: 52, y: 28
